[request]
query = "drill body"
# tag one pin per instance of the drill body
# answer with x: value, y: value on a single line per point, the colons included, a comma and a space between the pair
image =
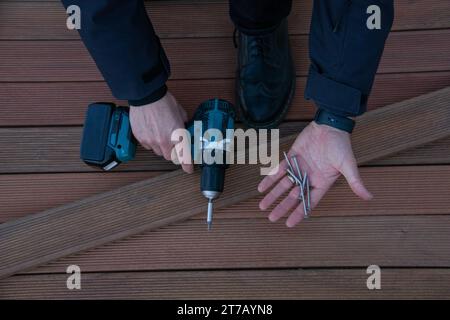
x: 108, y: 141
x: 208, y: 130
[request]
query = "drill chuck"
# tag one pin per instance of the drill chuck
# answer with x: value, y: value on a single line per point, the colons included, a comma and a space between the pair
x: 212, y: 182
x: 212, y: 179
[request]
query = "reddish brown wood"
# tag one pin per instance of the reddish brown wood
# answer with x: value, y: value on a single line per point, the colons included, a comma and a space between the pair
x: 341, y: 230
x: 57, y: 150
x: 153, y: 203
x: 45, y: 20
x: 408, y: 190
x: 247, y: 284
x: 257, y: 243
x: 194, y: 59
x: 22, y: 194
x: 65, y: 102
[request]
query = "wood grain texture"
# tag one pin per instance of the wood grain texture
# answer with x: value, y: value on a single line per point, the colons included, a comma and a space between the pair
x: 420, y: 241
x: 410, y: 190
x: 181, y: 19
x: 251, y: 284
x: 431, y: 153
x: 194, y: 59
x: 23, y: 194
x: 65, y: 102
x: 154, y: 203
x: 56, y: 150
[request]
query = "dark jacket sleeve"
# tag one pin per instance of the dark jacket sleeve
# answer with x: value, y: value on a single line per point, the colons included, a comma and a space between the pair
x: 123, y: 44
x: 345, y: 53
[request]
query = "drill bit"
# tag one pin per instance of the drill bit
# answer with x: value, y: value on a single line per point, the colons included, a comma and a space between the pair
x: 210, y: 213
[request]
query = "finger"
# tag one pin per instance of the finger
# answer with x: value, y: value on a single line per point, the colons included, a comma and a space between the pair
x: 166, y: 147
x: 146, y: 145
x: 276, y: 174
x: 284, y: 185
x: 286, y: 205
x: 183, y: 114
x: 156, y: 149
x: 188, y: 168
x: 181, y: 153
x: 351, y: 173
x: 167, y: 151
x: 185, y: 161
x: 316, y: 194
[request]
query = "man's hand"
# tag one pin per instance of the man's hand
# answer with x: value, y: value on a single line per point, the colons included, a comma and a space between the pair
x: 324, y: 153
x: 154, y: 123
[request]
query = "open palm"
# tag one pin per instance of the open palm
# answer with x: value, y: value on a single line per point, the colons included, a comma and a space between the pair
x: 324, y: 153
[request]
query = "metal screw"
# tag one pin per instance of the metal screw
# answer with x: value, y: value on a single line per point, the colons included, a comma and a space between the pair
x: 301, y: 181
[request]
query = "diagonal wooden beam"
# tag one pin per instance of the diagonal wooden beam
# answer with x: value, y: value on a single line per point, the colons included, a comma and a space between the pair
x: 173, y: 197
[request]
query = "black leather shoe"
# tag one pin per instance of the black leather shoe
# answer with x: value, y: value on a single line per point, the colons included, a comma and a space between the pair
x: 265, y: 81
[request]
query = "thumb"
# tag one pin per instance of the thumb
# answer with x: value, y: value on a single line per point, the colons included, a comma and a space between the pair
x: 351, y: 173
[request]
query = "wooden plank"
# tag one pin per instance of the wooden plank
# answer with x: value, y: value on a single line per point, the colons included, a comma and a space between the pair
x: 397, y: 190
x: 181, y: 19
x: 65, y: 102
x: 23, y: 194
x: 56, y: 150
x: 251, y: 284
x: 420, y: 241
x: 431, y: 153
x: 155, y: 203
x: 194, y: 59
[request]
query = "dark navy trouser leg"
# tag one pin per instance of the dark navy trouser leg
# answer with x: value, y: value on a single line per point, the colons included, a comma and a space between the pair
x: 255, y: 15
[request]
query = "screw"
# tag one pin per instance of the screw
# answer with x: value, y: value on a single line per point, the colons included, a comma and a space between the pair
x: 297, y: 167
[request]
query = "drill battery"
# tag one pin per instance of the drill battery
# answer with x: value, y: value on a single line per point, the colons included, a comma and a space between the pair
x: 107, y: 137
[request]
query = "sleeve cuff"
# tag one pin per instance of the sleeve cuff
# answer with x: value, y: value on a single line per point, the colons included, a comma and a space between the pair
x: 153, y: 97
x: 333, y: 96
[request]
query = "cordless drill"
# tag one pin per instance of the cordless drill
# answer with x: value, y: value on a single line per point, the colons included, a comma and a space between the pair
x: 108, y: 141
x: 210, y: 139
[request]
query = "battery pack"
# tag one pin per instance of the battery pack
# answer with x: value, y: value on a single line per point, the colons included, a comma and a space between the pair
x: 94, y: 149
x: 107, y: 136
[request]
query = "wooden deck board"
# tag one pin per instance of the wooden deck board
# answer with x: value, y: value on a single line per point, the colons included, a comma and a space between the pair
x: 45, y: 20
x: 409, y: 190
x: 65, y: 103
x: 405, y: 226
x: 243, y: 284
x: 151, y: 204
x: 237, y: 243
x: 70, y: 61
x: 56, y: 150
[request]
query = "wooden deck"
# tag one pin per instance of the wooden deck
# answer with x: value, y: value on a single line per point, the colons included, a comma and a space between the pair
x: 47, y: 80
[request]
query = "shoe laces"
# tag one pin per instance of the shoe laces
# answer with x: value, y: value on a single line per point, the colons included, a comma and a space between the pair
x: 258, y: 47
